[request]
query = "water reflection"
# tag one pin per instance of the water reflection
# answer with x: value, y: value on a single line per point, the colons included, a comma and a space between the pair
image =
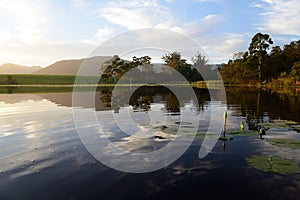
x: 41, y: 149
x: 253, y: 104
x: 28, y: 135
x: 262, y: 105
x: 141, y: 99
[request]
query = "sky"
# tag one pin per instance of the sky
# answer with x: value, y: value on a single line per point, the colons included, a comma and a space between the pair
x: 41, y: 32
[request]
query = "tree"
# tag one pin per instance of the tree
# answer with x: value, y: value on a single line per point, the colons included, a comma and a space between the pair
x: 274, y: 64
x: 141, y: 61
x: 199, y: 60
x: 291, y: 54
x: 259, y: 64
x: 174, y: 61
x: 238, y: 71
x: 259, y: 45
x: 112, y: 69
x: 10, y: 80
x: 116, y: 67
x: 201, y: 67
x: 238, y: 56
x: 295, y: 72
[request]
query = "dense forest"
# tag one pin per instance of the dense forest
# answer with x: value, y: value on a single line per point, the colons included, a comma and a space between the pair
x: 264, y: 63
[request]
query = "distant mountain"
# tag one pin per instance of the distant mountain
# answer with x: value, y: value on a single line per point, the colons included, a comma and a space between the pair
x: 70, y: 67
x: 9, y: 68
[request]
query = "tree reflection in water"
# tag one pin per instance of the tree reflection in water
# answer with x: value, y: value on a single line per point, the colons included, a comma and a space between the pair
x: 144, y: 96
x: 260, y: 105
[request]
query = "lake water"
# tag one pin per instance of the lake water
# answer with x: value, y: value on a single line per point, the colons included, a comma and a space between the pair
x: 42, y: 155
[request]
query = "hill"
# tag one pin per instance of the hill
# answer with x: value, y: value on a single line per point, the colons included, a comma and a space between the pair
x: 70, y: 67
x: 9, y: 68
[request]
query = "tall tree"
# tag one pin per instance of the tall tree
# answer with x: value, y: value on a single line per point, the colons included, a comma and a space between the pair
x: 112, y: 69
x: 116, y: 67
x: 201, y: 67
x: 175, y: 61
x: 259, y: 45
x: 199, y: 60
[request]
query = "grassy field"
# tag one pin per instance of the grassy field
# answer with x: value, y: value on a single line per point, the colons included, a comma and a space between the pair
x: 48, y: 89
x: 10, y: 90
x: 37, y: 79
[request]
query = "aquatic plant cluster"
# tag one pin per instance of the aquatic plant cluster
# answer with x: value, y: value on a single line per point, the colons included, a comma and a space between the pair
x: 262, y: 162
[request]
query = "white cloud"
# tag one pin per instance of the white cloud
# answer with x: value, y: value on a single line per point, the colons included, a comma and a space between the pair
x: 222, y: 48
x: 103, y: 33
x: 279, y: 16
x: 138, y: 14
x: 256, y: 5
x: 233, y: 41
x: 199, y: 28
x: 135, y: 14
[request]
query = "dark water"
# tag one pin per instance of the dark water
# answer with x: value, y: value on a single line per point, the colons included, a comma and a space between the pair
x: 42, y: 157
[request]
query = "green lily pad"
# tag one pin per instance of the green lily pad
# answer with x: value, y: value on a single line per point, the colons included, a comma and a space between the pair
x: 273, y: 164
x: 201, y: 135
x: 174, y: 130
x: 169, y: 130
x: 242, y: 132
x: 283, y: 142
x: 163, y: 128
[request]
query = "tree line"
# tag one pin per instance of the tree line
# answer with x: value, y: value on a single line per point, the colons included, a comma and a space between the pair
x: 264, y: 63
x: 116, y: 67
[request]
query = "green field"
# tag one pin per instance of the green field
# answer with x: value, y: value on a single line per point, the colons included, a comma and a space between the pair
x: 36, y: 83
x: 37, y: 79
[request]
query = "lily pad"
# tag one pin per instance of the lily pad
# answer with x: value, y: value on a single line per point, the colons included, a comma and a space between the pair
x: 169, y: 130
x: 202, y: 135
x: 160, y: 135
x: 274, y: 164
x: 283, y: 142
x: 173, y: 130
x: 242, y: 132
x: 163, y: 128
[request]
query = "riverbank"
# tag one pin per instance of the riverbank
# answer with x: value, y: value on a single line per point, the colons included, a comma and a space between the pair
x: 27, y: 82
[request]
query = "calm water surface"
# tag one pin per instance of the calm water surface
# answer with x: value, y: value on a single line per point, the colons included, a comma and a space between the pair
x: 42, y: 157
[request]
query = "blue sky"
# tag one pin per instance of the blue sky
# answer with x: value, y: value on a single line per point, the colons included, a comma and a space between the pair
x: 40, y: 32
